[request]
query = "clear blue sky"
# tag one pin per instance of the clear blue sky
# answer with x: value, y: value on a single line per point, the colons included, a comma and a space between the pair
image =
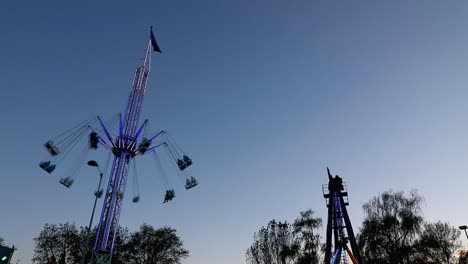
x: 262, y: 94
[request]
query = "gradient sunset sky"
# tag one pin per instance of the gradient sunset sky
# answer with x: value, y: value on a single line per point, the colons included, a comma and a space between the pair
x: 263, y: 95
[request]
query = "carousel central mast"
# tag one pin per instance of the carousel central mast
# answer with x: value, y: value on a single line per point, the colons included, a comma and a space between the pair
x: 124, y: 150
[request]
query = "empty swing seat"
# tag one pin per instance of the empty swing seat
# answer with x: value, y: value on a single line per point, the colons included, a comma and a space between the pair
x: 136, y: 199
x: 47, y: 166
x: 93, y: 140
x: 67, y: 182
x: 51, y: 148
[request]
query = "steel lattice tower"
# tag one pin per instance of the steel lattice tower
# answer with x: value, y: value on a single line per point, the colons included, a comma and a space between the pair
x: 339, y: 224
x: 124, y: 150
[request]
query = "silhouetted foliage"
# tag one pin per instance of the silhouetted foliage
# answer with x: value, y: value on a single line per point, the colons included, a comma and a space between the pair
x: 438, y: 243
x: 273, y: 244
x: 390, y: 228
x: 120, y: 244
x: 283, y: 243
x: 305, y: 229
x: 394, y: 232
x: 65, y: 243
x: 59, y: 242
x: 158, y: 246
x: 463, y: 258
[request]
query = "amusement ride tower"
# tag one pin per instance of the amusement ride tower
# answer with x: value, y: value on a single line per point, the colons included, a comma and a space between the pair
x: 129, y: 143
x: 124, y: 148
x: 339, y: 224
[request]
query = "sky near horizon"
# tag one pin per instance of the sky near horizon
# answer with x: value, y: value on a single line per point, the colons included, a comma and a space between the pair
x: 263, y: 95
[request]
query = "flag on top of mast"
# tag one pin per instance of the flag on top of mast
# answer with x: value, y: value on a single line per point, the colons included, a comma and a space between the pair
x: 154, y: 43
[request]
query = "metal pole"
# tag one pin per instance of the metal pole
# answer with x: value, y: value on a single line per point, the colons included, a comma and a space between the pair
x: 85, y: 249
x: 466, y: 234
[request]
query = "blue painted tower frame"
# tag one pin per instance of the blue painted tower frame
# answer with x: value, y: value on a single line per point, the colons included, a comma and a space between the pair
x: 339, y: 224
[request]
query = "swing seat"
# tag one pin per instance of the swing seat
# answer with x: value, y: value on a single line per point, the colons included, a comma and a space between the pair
x: 187, y: 161
x: 45, y: 165
x: 98, y: 193
x: 51, y: 148
x: 190, y: 183
x: 144, y: 145
x: 66, y: 182
x: 170, y: 194
x: 181, y: 164
x: 93, y: 140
